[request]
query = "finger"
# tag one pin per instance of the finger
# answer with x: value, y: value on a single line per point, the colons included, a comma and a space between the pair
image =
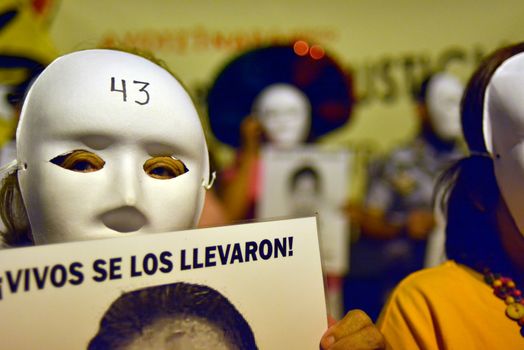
x: 353, y: 321
x: 327, y: 341
x: 331, y: 321
x: 367, y: 338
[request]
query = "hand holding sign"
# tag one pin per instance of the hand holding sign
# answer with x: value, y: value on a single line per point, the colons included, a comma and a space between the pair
x: 354, y: 331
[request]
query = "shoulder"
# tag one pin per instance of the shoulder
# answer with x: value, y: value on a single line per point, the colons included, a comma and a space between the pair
x: 447, y: 306
x: 430, y: 290
x: 434, y: 290
x: 445, y: 270
x: 439, y: 279
x: 413, y: 315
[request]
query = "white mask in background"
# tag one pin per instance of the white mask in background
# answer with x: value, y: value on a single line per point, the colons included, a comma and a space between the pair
x: 136, y: 122
x: 503, y: 127
x: 285, y: 114
x: 443, y: 103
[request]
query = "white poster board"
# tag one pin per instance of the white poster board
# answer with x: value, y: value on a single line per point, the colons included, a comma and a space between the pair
x: 308, y: 180
x: 53, y: 297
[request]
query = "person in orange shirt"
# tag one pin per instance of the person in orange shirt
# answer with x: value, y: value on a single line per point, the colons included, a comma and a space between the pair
x: 474, y: 300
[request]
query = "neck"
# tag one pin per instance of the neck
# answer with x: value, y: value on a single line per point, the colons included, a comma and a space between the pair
x: 514, y: 251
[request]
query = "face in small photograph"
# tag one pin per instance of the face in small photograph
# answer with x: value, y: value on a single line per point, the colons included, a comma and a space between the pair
x: 109, y: 144
x: 177, y: 316
x: 285, y: 114
x: 305, y: 191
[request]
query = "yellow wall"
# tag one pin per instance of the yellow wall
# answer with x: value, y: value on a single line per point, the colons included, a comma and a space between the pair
x: 377, y: 39
x: 388, y: 45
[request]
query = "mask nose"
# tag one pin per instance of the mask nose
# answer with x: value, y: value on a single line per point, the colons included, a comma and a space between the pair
x: 127, y: 182
x: 127, y: 195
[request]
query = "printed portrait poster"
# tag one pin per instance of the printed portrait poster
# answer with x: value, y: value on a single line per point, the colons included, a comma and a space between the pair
x: 265, y: 280
x: 305, y: 181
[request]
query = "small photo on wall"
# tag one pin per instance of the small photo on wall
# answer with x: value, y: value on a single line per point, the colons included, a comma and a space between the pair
x: 310, y: 180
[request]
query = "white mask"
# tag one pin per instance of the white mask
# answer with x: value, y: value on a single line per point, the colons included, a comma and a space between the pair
x: 284, y: 112
x: 75, y: 104
x: 503, y: 127
x: 443, y: 102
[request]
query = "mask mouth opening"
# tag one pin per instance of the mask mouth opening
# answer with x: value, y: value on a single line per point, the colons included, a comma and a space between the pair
x: 124, y: 219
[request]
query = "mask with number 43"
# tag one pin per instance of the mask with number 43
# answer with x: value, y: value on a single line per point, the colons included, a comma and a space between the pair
x: 109, y: 144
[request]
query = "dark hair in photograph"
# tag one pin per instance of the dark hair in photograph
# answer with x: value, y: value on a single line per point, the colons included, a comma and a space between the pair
x: 305, y: 170
x: 132, y: 312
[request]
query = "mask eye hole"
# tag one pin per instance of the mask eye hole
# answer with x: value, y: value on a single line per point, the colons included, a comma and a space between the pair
x: 80, y: 161
x: 164, y: 168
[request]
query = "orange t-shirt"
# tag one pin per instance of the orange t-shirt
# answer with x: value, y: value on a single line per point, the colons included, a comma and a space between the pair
x: 447, y: 307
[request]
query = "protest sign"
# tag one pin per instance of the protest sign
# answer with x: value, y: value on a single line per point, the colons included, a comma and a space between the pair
x: 305, y: 181
x: 54, y: 296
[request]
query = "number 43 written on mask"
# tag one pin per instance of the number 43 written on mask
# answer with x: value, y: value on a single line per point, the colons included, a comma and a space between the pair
x: 140, y: 87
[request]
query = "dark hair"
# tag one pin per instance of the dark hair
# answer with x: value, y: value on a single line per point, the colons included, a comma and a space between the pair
x: 13, y: 214
x: 300, y: 172
x: 468, y: 191
x: 420, y: 93
x: 133, y: 311
x: 470, y: 200
x: 473, y: 98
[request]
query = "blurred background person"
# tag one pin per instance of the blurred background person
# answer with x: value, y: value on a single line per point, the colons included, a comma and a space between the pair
x: 214, y: 212
x: 12, y: 97
x: 24, y: 52
x: 397, y: 216
x: 280, y: 96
